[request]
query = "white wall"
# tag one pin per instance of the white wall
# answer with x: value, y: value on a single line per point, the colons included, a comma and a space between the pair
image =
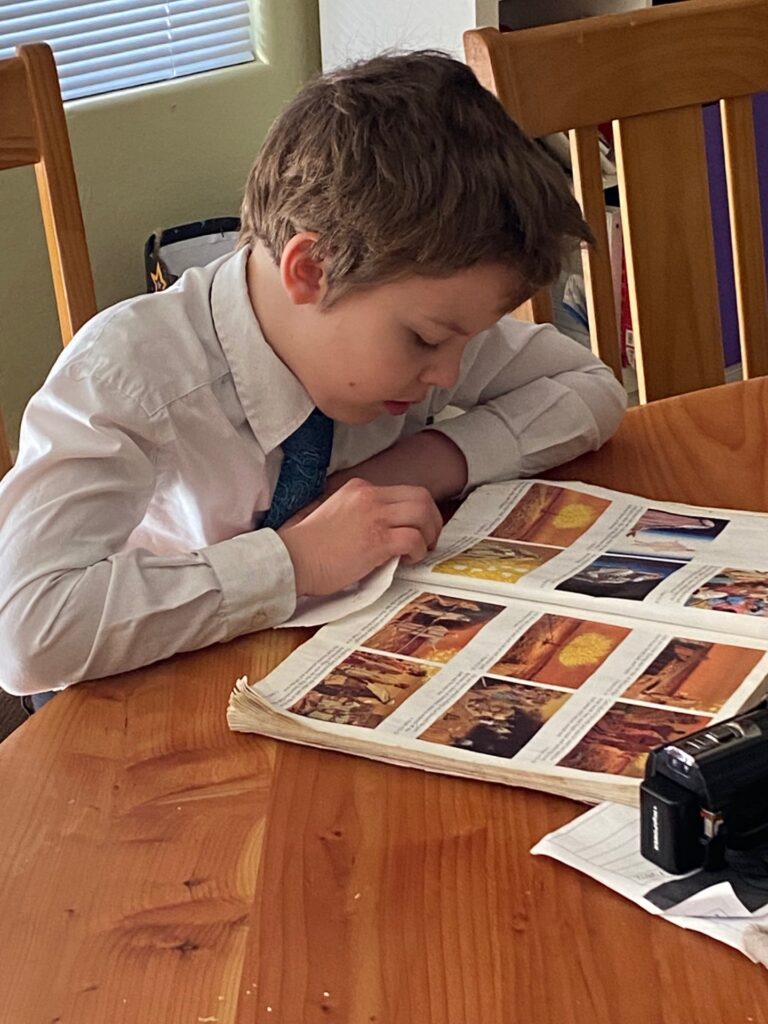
x: 356, y: 29
x: 145, y: 158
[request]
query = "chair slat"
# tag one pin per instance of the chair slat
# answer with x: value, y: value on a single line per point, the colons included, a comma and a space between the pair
x: 541, y: 307
x: 525, y: 312
x: 666, y: 217
x: 536, y: 310
x: 746, y: 233
x: 18, y: 130
x: 33, y: 131
x: 59, y: 201
x: 5, y: 452
x: 601, y: 307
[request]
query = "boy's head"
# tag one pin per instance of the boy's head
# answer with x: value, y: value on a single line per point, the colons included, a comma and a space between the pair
x: 394, y: 213
x: 405, y: 165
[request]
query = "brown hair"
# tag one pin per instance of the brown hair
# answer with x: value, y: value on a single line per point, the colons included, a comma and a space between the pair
x: 405, y: 164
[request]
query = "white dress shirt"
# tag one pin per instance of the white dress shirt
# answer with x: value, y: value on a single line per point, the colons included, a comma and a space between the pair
x: 152, y: 451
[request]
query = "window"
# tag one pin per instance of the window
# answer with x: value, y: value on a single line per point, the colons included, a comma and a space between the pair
x: 115, y: 44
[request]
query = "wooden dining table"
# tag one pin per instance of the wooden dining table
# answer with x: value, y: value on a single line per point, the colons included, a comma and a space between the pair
x: 156, y: 868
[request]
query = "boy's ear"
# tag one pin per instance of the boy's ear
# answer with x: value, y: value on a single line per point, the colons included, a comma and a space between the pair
x: 302, y: 274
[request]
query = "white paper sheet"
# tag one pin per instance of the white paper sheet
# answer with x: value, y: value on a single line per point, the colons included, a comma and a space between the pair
x: 604, y: 843
x: 316, y: 611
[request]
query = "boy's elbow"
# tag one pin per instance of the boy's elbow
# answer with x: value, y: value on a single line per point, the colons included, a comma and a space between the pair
x: 21, y: 686
x: 25, y: 670
x: 608, y: 406
x: 20, y: 674
x: 28, y: 663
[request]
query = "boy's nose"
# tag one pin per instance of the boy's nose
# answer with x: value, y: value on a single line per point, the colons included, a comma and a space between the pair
x: 443, y: 371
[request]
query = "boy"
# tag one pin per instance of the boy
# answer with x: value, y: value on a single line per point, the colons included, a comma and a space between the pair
x: 393, y: 215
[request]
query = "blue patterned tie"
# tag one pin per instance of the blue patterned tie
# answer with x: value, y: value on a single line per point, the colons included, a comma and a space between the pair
x: 306, y: 454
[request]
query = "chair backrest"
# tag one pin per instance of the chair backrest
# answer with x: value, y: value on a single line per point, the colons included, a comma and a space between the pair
x: 33, y: 131
x: 649, y: 72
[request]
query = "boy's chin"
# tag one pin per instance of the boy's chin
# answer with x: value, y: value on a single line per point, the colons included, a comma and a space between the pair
x: 356, y: 417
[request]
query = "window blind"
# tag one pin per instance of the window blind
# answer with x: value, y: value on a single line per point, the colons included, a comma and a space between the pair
x: 115, y: 44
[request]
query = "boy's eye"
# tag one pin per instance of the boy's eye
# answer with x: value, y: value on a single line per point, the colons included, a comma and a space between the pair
x: 421, y: 342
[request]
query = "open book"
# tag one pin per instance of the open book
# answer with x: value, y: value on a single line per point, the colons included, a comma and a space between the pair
x: 556, y: 634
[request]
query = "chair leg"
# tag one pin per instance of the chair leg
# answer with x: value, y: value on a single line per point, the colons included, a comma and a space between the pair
x: 5, y: 451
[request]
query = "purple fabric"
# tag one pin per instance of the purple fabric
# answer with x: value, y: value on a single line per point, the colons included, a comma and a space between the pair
x: 720, y: 220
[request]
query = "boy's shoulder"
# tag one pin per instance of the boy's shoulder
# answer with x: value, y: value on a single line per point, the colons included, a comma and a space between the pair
x: 152, y: 348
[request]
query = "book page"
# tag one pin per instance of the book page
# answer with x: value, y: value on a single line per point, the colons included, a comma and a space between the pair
x: 585, y: 547
x: 501, y: 689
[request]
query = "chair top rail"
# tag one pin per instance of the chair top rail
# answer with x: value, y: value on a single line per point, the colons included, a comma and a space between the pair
x: 18, y: 128
x: 703, y: 51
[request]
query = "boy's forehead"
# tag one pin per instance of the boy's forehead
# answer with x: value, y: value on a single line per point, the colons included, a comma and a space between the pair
x: 453, y: 301
x: 495, y: 287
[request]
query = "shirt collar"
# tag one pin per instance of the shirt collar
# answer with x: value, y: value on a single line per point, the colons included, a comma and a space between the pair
x: 274, y: 401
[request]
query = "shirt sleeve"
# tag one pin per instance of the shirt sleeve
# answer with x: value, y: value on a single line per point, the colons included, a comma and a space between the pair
x: 75, y: 603
x: 534, y: 399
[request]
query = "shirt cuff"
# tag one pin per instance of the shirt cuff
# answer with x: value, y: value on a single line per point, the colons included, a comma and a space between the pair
x: 474, y: 434
x: 258, y: 585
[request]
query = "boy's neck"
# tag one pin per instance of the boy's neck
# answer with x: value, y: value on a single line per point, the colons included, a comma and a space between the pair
x: 271, y: 306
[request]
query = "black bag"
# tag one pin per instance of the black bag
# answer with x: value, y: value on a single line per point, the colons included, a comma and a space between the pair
x: 168, y: 253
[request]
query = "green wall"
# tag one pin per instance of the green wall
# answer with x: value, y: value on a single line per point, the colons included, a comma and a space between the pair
x: 146, y: 158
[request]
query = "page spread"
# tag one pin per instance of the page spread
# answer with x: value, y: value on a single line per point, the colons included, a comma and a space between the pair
x: 557, y: 634
x: 591, y: 548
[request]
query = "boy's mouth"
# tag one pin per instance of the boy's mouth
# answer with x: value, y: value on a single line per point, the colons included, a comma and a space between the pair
x: 397, y: 408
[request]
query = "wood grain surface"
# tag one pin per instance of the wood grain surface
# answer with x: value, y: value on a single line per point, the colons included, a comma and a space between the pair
x: 157, y: 869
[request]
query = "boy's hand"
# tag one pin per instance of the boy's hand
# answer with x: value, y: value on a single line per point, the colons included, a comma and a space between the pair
x: 355, y: 530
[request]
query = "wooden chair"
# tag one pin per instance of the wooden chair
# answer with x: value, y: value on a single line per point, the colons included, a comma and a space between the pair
x: 33, y: 131
x: 649, y: 72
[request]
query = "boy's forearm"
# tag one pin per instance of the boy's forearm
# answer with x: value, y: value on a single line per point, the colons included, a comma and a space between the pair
x: 427, y: 459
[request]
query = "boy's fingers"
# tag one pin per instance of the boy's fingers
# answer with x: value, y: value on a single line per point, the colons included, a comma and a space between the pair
x: 414, y: 514
x: 367, y: 497
x: 417, y: 505
x: 403, y: 492
x: 408, y: 543
x: 418, y: 495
